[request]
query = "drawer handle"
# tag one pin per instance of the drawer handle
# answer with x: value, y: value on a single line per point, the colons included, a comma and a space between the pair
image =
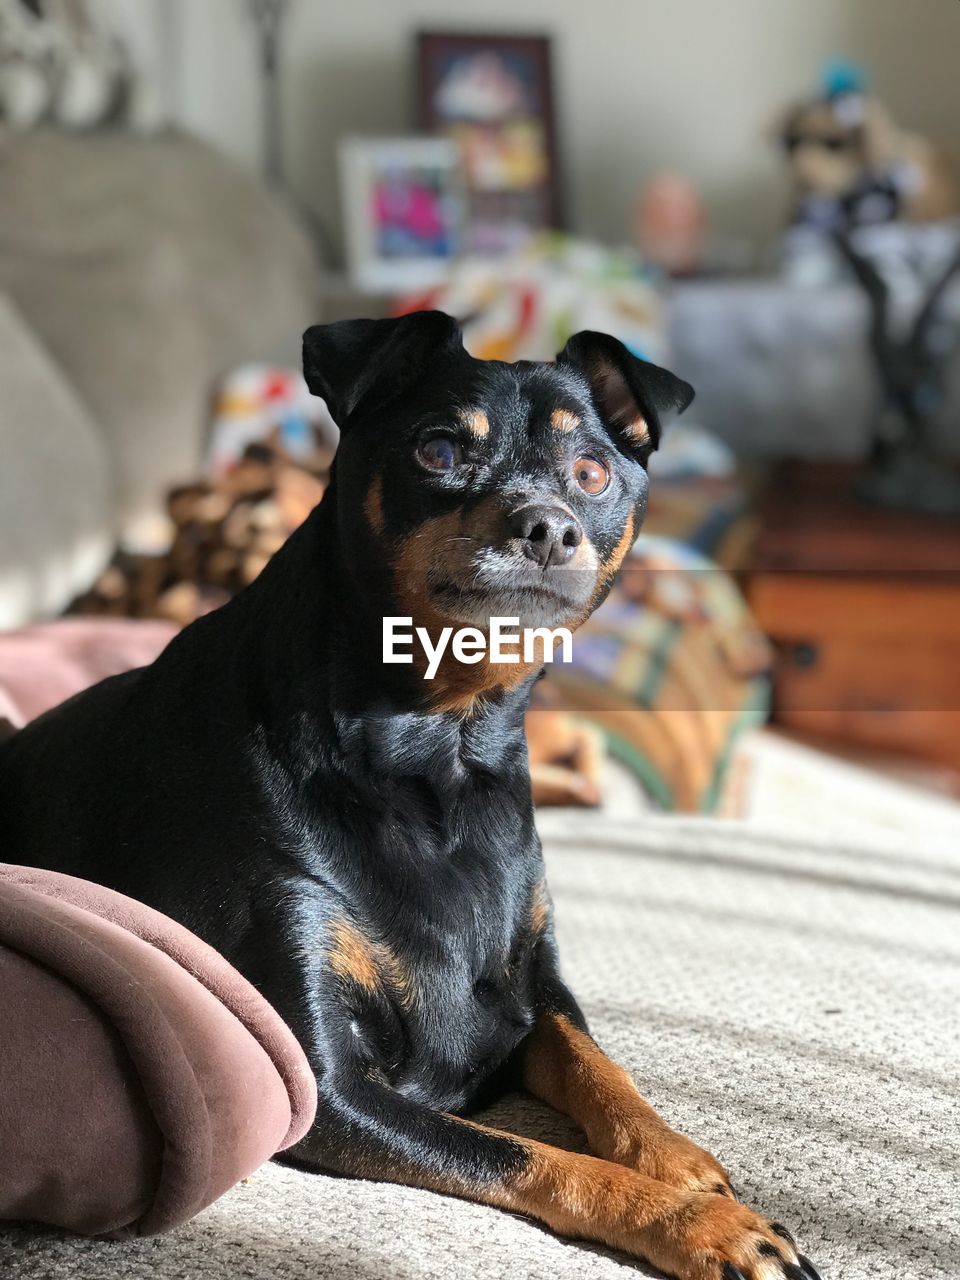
x: 805, y: 655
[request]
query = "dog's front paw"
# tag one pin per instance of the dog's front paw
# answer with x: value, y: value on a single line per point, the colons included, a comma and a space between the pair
x: 661, y: 1153
x: 712, y: 1238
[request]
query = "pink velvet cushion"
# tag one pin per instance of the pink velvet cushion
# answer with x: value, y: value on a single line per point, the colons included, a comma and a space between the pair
x: 140, y: 1075
x: 43, y: 665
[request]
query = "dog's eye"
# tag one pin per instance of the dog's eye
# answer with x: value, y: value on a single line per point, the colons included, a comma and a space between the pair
x: 592, y: 476
x: 440, y: 453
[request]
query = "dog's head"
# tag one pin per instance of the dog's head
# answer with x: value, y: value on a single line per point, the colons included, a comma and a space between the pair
x: 489, y: 489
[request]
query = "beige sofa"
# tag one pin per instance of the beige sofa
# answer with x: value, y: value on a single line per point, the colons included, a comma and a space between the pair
x: 133, y: 273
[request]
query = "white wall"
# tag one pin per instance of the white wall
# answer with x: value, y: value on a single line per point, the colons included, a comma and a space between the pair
x: 641, y: 85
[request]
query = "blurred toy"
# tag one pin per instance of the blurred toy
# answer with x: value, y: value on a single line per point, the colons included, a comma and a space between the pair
x: 268, y: 468
x: 58, y: 63
x: 670, y: 224
x: 566, y: 755
x: 852, y: 165
x: 258, y: 401
x: 269, y: 452
x: 26, y: 66
x: 223, y: 535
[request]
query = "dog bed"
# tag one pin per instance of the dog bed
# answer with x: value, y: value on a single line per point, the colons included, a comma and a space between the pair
x: 140, y: 1075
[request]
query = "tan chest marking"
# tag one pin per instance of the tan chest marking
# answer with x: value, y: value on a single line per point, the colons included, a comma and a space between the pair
x: 371, y: 965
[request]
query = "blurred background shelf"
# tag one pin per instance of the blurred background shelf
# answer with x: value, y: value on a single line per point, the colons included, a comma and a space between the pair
x: 863, y: 608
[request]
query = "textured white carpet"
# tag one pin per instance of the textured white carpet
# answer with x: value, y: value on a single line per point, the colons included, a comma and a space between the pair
x: 792, y: 1003
x: 786, y: 783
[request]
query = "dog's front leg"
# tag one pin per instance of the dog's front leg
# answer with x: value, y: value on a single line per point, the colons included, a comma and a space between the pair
x: 566, y: 1068
x: 563, y: 1066
x: 366, y: 1129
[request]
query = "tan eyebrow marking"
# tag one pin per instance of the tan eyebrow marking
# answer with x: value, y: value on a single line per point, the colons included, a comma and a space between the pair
x: 476, y: 421
x: 564, y: 420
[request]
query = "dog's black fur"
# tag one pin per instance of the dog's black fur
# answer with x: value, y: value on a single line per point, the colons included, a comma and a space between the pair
x: 359, y: 841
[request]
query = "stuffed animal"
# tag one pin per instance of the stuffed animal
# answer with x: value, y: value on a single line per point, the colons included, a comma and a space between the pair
x: 257, y: 399
x: 28, y: 61
x: 58, y: 63
x: 853, y: 166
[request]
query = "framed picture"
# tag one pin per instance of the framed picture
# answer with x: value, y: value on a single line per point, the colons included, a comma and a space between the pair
x: 493, y: 96
x: 403, y: 211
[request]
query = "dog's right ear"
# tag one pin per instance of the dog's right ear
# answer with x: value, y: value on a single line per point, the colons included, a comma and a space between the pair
x: 364, y: 364
x: 635, y: 399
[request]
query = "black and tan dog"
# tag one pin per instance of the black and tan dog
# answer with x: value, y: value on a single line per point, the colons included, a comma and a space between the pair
x: 359, y: 841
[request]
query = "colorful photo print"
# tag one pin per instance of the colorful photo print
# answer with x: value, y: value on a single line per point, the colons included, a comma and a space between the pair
x: 492, y: 96
x: 403, y: 210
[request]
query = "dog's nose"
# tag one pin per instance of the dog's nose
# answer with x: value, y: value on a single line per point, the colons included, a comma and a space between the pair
x: 549, y: 535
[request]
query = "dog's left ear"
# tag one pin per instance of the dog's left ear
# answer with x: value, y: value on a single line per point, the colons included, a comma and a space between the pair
x: 364, y: 364
x: 636, y: 399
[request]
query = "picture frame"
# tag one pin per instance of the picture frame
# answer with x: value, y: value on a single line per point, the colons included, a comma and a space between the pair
x: 492, y: 95
x: 403, y: 209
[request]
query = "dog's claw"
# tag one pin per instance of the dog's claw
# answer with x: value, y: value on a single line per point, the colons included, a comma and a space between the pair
x: 734, y: 1192
x: 783, y: 1233
x: 730, y: 1272
x: 807, y: 1267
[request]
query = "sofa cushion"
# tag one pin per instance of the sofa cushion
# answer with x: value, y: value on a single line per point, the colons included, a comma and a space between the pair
x: 149, y: 267
x: 140, y: 1075
x: 56, y: 489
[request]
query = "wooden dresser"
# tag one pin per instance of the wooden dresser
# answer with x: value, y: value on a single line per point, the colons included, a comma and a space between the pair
x: 863, y: 607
